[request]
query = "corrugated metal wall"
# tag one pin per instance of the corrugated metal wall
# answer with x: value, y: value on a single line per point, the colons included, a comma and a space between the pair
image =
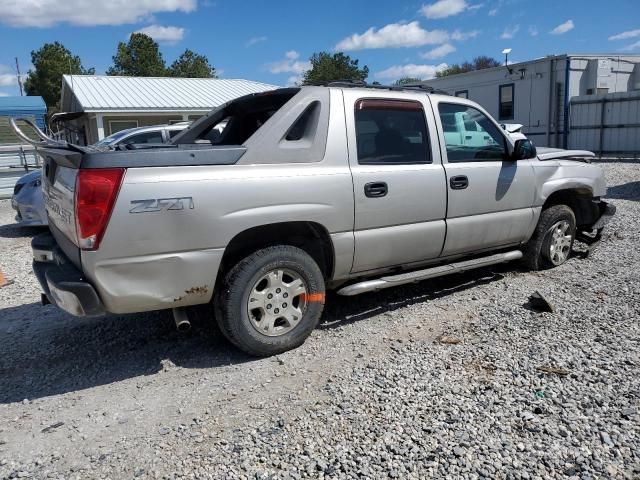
x: 606, y: 124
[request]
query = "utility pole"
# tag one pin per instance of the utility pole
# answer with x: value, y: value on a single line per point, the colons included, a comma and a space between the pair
x: 19, y: 78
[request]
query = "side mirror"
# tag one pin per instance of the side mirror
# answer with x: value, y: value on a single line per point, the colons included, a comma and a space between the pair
x: 523, y: 150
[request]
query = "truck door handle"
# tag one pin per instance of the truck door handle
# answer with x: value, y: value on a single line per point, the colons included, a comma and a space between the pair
x: 459, y: 182
x: 468, y: 137
x: 376, y: 189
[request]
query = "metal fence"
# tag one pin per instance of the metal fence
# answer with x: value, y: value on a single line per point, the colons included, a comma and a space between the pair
x: 15, y: 161
x: 606, y: 124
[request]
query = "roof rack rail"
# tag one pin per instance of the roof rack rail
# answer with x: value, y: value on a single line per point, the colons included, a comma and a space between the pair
x: 361, y: 84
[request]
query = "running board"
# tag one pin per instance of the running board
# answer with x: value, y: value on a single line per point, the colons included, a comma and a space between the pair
x: 433, y: 272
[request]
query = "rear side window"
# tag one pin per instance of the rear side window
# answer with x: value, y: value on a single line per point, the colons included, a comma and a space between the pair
x: 391, y: 132
x: 306, y: 124
x: 147, y: 137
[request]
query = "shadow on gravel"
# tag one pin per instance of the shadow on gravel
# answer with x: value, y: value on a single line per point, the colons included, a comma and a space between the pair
x: 616, y: 160
x: 15, y: 230
x: 45, y: 352
x: 341, y: 311
x: 626, y: 191
x: 54, y: 353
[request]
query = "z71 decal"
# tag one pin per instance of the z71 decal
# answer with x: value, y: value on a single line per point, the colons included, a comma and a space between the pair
x: 161, y: 204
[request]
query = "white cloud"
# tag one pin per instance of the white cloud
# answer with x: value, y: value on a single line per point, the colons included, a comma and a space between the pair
x: 444, y: 8
x: 8, y: 78
x: 167, y: 35
x: 510, y: 32
x: 254, y: 40
x: 533, y: 31
x: 461, y: 36
x: 439, y: 52
x: 626, y: 35
x: 46, y: 13
x: 632, y: 47
x: 563, y: 28
x: 411, y: 70
x: 393, y: 35
x: 290, y: 64
x: 493, y: 12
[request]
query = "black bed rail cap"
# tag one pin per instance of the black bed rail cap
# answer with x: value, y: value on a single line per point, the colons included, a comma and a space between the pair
x: 416, y: 87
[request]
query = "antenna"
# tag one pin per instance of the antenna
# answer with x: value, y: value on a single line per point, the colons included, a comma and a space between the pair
x: 506, y: 53
x: 19, y: 78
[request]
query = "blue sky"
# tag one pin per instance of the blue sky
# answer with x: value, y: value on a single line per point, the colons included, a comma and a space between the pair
x: 272, y: 41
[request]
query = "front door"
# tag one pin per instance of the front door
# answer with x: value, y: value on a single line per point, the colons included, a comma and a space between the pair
x: 490, y: 196
x: 398, y: 180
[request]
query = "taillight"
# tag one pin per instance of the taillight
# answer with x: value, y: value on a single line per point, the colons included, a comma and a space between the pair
x: 96, y: 193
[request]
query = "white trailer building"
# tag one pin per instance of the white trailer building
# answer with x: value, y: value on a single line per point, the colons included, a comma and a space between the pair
x: 539, y: 94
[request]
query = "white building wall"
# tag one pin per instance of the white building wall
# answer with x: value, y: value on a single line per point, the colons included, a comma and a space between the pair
x: 540, y: 103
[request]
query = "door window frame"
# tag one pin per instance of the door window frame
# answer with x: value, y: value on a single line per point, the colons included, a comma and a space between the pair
x: 443, y: 144
x: 396, y: 104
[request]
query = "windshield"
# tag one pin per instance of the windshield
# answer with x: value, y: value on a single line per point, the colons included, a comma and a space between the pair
x: 114, y: 138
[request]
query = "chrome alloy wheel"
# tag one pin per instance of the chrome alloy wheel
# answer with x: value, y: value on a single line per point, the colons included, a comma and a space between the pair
x: 277, y: 302
x: 560, y: 244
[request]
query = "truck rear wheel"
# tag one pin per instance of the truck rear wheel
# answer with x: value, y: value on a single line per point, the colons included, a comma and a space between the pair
x: 270, y: 301
x: 552, y: 240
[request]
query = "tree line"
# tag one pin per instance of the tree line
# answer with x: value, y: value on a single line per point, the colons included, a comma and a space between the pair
x: 140, y: 56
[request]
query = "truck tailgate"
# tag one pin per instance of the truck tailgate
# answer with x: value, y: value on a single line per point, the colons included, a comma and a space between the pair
x: 59, y: 175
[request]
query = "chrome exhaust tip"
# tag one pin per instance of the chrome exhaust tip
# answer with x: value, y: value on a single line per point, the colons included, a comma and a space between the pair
x: 182, y: 320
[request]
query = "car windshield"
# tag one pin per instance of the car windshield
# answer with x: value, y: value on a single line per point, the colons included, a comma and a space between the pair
x: 114, y: 138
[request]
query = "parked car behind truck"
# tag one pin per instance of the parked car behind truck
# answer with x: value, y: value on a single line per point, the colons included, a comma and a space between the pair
x: 27, y: 198
x: 306, y: 189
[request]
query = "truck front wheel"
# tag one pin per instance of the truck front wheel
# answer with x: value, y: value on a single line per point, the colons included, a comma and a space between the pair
x: 552, y: 240
x: 270, y: 301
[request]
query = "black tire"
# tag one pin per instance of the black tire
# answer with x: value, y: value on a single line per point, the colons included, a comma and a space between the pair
x: 232, y: 313
x: 537, y: 252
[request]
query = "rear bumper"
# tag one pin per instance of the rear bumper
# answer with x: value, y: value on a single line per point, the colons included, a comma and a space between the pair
x: 63, y: 284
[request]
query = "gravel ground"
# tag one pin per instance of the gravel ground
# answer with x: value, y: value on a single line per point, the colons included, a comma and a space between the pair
x: 451, y: 378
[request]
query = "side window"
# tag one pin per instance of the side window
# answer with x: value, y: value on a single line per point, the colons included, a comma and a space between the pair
x: 506, y: 102
x: 391, y: 131
x: 306, y: 124
x: 147, y: 137
x: 469, y: 134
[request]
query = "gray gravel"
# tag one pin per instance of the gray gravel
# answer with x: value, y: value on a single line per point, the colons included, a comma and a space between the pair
x: 451, y: 378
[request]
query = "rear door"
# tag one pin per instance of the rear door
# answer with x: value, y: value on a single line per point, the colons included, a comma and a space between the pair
x: 489, y: 195
x: 399, y: 182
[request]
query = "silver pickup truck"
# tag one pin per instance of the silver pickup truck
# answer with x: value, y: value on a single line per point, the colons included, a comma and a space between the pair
x: 343, y: 187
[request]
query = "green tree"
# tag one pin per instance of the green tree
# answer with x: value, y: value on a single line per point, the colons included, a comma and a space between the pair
x: 327, y: 68
x: 139, y: 57
x: 192, y: 65
x: 407, y: 81
x: 478, y: 63
x: 50, y: 62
